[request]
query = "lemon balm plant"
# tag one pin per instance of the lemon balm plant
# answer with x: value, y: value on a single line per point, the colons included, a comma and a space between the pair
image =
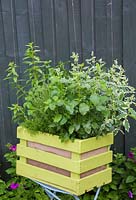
x: 88, y: 100
x: 67, y: 119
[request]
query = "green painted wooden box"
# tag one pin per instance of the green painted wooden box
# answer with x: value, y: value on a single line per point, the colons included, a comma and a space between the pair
x: 75, y: 167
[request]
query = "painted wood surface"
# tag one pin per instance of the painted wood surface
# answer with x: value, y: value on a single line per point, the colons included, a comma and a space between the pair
x: 48, y: 156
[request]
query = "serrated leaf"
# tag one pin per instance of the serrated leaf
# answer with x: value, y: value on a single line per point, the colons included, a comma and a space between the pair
x: 130, y: 179
x: 57, y: 118
x: 83, y: 108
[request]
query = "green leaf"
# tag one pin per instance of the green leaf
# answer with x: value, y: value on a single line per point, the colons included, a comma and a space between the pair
x: 71, y: 129
x: 132, y: 113
x: 130, y: 179
x: 63, y: 120
x: 94, y: 98
x: 57, y: 118
x: 83, y: 108
x: 126, y: 125
x: 100, y: 108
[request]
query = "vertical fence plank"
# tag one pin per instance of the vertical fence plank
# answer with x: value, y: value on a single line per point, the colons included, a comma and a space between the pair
x: 49, y: 32
x: 100, y: 10
x: 114, y: 48
x: 75, y: 34
x: 129, y: 58
x: 7, y: 131
x: 61, y: 27
x: 87, y: 21
x: 35, y: 20
x: 22, y: 25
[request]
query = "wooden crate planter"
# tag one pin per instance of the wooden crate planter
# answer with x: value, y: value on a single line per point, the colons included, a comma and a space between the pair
x: 76, y: 166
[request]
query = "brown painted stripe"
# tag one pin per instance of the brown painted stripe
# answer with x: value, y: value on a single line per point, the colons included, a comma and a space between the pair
x: 93, y: 171
x: 93, y: 152
x: 49, y: 167
x: 54, y: 150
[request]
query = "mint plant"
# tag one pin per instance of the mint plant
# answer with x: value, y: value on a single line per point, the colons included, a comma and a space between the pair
x: 87, y: 100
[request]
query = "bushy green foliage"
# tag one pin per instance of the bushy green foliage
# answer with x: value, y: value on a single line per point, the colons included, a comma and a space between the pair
x: 87, y: 100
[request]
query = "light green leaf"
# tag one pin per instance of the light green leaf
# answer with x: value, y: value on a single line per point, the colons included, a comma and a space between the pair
x: 132, y: 113
x: 94, y: 98
x: 83, y: 108
x: 71, y: 129
x: 126, y: 125
x: 57, y: 118
x: 130, y: 179
x: 63, y: 120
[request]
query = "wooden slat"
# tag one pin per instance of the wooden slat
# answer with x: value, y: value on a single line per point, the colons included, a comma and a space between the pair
x: 62, y: 182
x: 48, y: 158
x: 62, y: 30
x: 22, y: 26
x: 87, y: 21
x: 129, y: 49
x: 2, y: 35
x: 93, y: 143
x: 35, y: 21
x: 47, y: 177
x: 75, y: 34
x: 95, y: 161
x: 49, y: 31
x: 100, y: 28
x: 78, y: 146
x: 46, y: 138
x: 95, y: 180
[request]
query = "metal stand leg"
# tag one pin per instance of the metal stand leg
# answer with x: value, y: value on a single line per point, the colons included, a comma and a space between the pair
x: 97, y: 193
x: 51, y: 191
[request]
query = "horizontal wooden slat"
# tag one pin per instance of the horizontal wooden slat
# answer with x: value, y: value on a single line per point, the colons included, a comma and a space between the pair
x: 78, y: 146
x: 95, y: 161
x: 45, y: 138
x: 95, y: 143
x: 51, y: 159
x: 62, y: 182
x: 47, y: 177
x: 95, y: 180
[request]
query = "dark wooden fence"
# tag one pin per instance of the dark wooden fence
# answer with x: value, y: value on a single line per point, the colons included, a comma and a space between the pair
x: 58, y: 27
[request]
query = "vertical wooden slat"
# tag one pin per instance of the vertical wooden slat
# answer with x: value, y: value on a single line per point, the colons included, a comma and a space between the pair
x: 2, y: 37
x: 35, y: 20
x: 49, y: 32
x: 117, y: 50
x: 61, y: 27
x: 75, y: 34
x: 8, y: 48
x: 100, y: 10
x: 22, y: 25
x: 129, y: 55
x: 87, y: 20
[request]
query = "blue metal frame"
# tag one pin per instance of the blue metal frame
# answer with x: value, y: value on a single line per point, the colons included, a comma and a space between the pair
x: 51, y: 191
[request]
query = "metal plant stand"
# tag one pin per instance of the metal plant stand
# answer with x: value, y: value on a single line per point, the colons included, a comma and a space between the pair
x: 51, y: 191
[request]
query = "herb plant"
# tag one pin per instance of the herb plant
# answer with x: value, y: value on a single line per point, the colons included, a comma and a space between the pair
x: 87, y: 100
